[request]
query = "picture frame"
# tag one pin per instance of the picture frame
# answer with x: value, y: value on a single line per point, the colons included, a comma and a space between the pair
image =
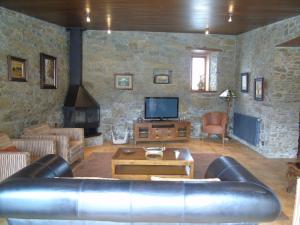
x: 17, y: 69
x: 48, y: 71
x: 162, y: 76
x: 259, y: 89
x: 123, y: 81
x: 161, y: 79
x: 244, y: 82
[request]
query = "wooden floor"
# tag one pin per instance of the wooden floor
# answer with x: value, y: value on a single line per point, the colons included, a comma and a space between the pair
x: 270, y: 171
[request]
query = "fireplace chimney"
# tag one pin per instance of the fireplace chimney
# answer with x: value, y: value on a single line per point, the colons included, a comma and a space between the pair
x: 80, y: 108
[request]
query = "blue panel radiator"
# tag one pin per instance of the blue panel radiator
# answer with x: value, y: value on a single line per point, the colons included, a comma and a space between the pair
x: 246, y: 128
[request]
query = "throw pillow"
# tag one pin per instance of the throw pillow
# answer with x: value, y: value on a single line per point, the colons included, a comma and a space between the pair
x: 155, y: 178
x: 11, y: 148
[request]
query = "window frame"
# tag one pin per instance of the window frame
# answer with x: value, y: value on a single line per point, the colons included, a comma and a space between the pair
x: 206, y: 69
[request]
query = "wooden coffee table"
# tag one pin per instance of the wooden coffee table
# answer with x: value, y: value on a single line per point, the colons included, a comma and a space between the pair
x: 136, y: 166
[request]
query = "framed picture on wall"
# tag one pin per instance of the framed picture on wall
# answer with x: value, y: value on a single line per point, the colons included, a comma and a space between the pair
x: 161, y: 79
x: 16, y: 69
x: 245, y: 82
x: 259, y: 89
x: 48, y: 71
x: 162, y: 76
x: 123, y: 81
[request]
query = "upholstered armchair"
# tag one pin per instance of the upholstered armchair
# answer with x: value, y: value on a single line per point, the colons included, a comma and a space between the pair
x: 215, y: 123
x: 69, y: 141
x: 25, y: 152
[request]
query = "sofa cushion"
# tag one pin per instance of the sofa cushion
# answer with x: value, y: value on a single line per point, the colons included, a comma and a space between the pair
x: 157, y: 178
x: 215, y: 129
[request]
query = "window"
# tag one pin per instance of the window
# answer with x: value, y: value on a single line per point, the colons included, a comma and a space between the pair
x: 204, y: 72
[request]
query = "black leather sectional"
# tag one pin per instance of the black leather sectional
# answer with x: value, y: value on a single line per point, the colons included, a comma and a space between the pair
x: 45, y: 192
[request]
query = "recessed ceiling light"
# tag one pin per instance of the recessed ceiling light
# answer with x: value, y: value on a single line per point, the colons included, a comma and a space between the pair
x: 207, y: 31
x: 88, y: 19
x: 200, y: 7
x: 231, y: 8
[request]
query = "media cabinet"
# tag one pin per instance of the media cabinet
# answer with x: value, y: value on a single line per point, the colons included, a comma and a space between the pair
x: 170, y: 130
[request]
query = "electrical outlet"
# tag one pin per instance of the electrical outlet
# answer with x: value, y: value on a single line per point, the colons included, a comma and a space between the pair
x: 262, y: 143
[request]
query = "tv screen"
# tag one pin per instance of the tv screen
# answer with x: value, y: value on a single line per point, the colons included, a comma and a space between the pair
x: 161, y: 107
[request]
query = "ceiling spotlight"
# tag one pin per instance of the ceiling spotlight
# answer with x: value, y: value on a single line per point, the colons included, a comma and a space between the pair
x: 230, y: 18
x: 88, y: 18
x: 206, y: 31
x: 108, y: 31
x: 231, y: 8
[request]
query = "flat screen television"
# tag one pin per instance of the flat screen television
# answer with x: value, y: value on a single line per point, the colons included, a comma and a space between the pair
x: 161, y: 107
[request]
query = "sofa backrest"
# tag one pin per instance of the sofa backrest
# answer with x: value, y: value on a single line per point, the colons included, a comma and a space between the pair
x: 41, y: 128
x: 81, y: 199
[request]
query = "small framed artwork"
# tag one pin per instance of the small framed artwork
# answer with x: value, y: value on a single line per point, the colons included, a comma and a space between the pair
x: 259, y: 89
x: 161, y: 79
x: 16, y: 69
x: 123, y: 81
x: 48, y: 71
x: 244, y: 82
x: 162, y: 76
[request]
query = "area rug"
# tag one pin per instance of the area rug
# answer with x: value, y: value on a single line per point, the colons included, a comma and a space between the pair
x: 99, y: 165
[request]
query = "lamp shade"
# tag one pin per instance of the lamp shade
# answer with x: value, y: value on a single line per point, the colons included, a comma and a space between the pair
x: 227, y: 94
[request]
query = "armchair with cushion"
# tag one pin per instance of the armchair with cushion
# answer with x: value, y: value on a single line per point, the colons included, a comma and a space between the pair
x: 69, y: 141
x: 215, y: 123
x: 18, y: 153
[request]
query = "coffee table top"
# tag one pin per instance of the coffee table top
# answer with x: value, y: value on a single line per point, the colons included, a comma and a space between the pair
x: 132, y: 163
x: 138, y: 154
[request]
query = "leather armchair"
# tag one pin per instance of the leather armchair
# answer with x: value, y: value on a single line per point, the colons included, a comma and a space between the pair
x: 215, y: 123
x: 69, y: 141
x: 27, y: 151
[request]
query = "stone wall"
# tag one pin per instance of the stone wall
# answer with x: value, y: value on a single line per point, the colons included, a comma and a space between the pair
x: 139, y: 53
x: 24, y: 103
x: 257, y: 53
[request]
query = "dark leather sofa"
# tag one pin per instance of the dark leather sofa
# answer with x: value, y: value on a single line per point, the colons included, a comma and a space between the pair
x: 45, y: 193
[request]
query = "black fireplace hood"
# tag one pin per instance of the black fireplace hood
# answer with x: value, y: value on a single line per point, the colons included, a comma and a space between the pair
x: 80, y: 108
x: 77, y: 95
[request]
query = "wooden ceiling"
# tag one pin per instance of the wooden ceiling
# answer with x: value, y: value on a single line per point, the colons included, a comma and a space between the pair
x: 186, y: 16
x: 291, y: 43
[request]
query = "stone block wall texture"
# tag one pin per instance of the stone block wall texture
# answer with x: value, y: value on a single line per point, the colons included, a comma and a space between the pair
x: 257, y: 54
x: 25, y: 103
x: 139, y: 53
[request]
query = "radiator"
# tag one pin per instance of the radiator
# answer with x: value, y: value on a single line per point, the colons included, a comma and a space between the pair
x: 246, y: 128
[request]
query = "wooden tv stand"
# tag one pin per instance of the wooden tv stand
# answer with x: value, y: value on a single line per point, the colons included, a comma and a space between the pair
x: 168, y: 130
